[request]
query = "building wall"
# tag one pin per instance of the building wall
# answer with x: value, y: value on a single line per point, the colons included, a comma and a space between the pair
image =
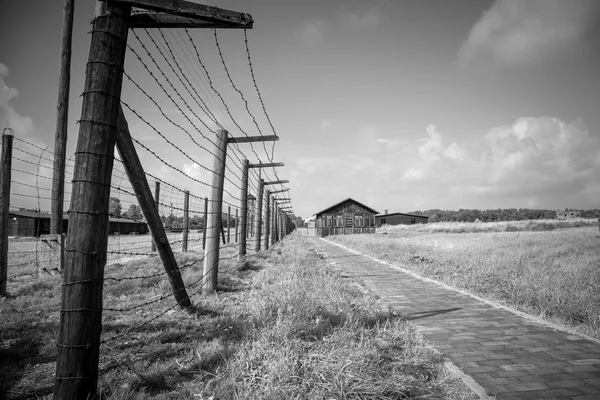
x: 400, y: 220
x: 346, y: 219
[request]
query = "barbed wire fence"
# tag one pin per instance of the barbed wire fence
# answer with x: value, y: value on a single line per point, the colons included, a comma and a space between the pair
x: 211, y: 202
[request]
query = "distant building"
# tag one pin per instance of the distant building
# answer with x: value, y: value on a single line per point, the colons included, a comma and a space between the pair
x: 34, y: 224
x: 399, y: 219
x: 567, y: 214
x: 345, y: 218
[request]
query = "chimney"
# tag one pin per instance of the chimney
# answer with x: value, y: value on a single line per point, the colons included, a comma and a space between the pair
x: 385, y: 212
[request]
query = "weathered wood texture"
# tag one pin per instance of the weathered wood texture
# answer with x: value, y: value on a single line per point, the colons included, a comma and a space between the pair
x: 157, y: 203
x: 213, y: 226
x: 140, y: 186
x: 259, y: 213
x: 192, y: 10
x: 204, y: 223
x: 186, y: 221
x: 81, y: 307
x: 253, y: 139
x: 5, y: 177
x: 152, y: 20
x: 267, y: 218
x: 243, y: 211
x: 346, y: 218
x: 62, y: 120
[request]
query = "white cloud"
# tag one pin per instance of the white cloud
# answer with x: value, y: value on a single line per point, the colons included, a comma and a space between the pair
x: 9, y: 117
x: 197, y: 172
x: 542, y: 161
x: 325, y: 124
x: 517, y: 32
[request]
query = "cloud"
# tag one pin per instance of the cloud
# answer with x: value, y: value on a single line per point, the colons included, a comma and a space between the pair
x: 325, y: 124
x: 542, y: 161
x: 519, y: 32
x: 9, y: 117
x: 197, y: 172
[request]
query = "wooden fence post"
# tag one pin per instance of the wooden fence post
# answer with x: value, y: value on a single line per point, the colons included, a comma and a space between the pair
x: 228, y: 224
x: 211, y: 253
x: 267, y: 218
x: 87, y: 239
x: 157, y: 203
x: 5, y: 177
x: 259, y: 211
x: 204, y: 223
x: 237, y: 226
x: 186, y: 220
x: 62, y: 119
x: 137, y: 178
x: 243, y: 211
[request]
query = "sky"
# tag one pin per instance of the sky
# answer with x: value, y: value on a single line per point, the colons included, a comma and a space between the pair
x: 402, y: 105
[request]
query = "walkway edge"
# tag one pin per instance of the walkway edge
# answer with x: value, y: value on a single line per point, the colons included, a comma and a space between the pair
x: 530, y: 317
x: 468, y: 380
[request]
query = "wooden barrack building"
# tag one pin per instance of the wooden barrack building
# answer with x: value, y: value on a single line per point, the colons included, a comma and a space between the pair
x: 345, y: 218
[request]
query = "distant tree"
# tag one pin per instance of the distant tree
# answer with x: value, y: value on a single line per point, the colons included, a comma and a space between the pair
x: 134, y: 212
x: 114, y: 207
x: 433, y: 218
x: 170, y: 221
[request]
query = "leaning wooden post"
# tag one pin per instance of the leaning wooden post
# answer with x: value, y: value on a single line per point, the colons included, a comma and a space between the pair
x: 204, y: 223
x: 157, y: 203
x: 274, y: 210
x: 243, y: 211
x: 267, y: 218
x: 186, y: 220
x: 87, y: 239
x: 137, y: 178
x: 62, y: 119
x: 211, y: 253
x: 228, y: 224
x: 5, y: 177
x: 259, y: 212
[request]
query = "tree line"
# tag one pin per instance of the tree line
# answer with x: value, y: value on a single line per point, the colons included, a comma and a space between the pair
x: 500, y: 214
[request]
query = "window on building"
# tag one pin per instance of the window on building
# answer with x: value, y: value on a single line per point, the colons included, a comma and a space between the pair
x: 338, y: 221
x: 382, y: 221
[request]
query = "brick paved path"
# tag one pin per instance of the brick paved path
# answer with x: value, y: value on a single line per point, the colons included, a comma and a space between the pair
x: 510, y: 356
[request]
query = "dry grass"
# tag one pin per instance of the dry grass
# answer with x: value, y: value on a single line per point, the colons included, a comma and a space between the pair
x: 502, y: 226
x: 553, y: 274
x: 284, y: 326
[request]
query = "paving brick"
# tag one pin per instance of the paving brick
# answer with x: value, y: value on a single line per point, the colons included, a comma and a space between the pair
x: 510, y: 356
x: 525, y: 386
x: 517, y: 367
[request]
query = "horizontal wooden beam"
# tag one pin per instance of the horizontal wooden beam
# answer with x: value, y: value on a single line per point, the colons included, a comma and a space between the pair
x: 280, y: 191
x: 252, y: 139
x: 192, y: 10
x: 251, y: 197
x: 282, y: 200
x: 266, y: 165
x: 162, y: 20
x: 276, y: 182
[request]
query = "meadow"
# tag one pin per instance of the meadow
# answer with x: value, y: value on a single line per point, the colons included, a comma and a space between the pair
x: 283, y: 325
x: 546, y: 268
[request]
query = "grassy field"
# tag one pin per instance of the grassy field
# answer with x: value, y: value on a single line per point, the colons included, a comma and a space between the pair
x: 544, y: 268
x: 285, y: 326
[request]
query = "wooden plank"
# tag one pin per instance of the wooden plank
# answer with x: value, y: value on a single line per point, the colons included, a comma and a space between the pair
x: 215, y: 216
x: 243, y: 212
x: 259, y: 212
x: 266, y: 165
x: 252, y: 139
x: 191, y: 10
x: 78, y: 342
x: 280, y: 191
x: 62, y: 117
x: 139, y: 183
x: 5, y: 177
x: 276, y: 182
x: 153, y: 20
